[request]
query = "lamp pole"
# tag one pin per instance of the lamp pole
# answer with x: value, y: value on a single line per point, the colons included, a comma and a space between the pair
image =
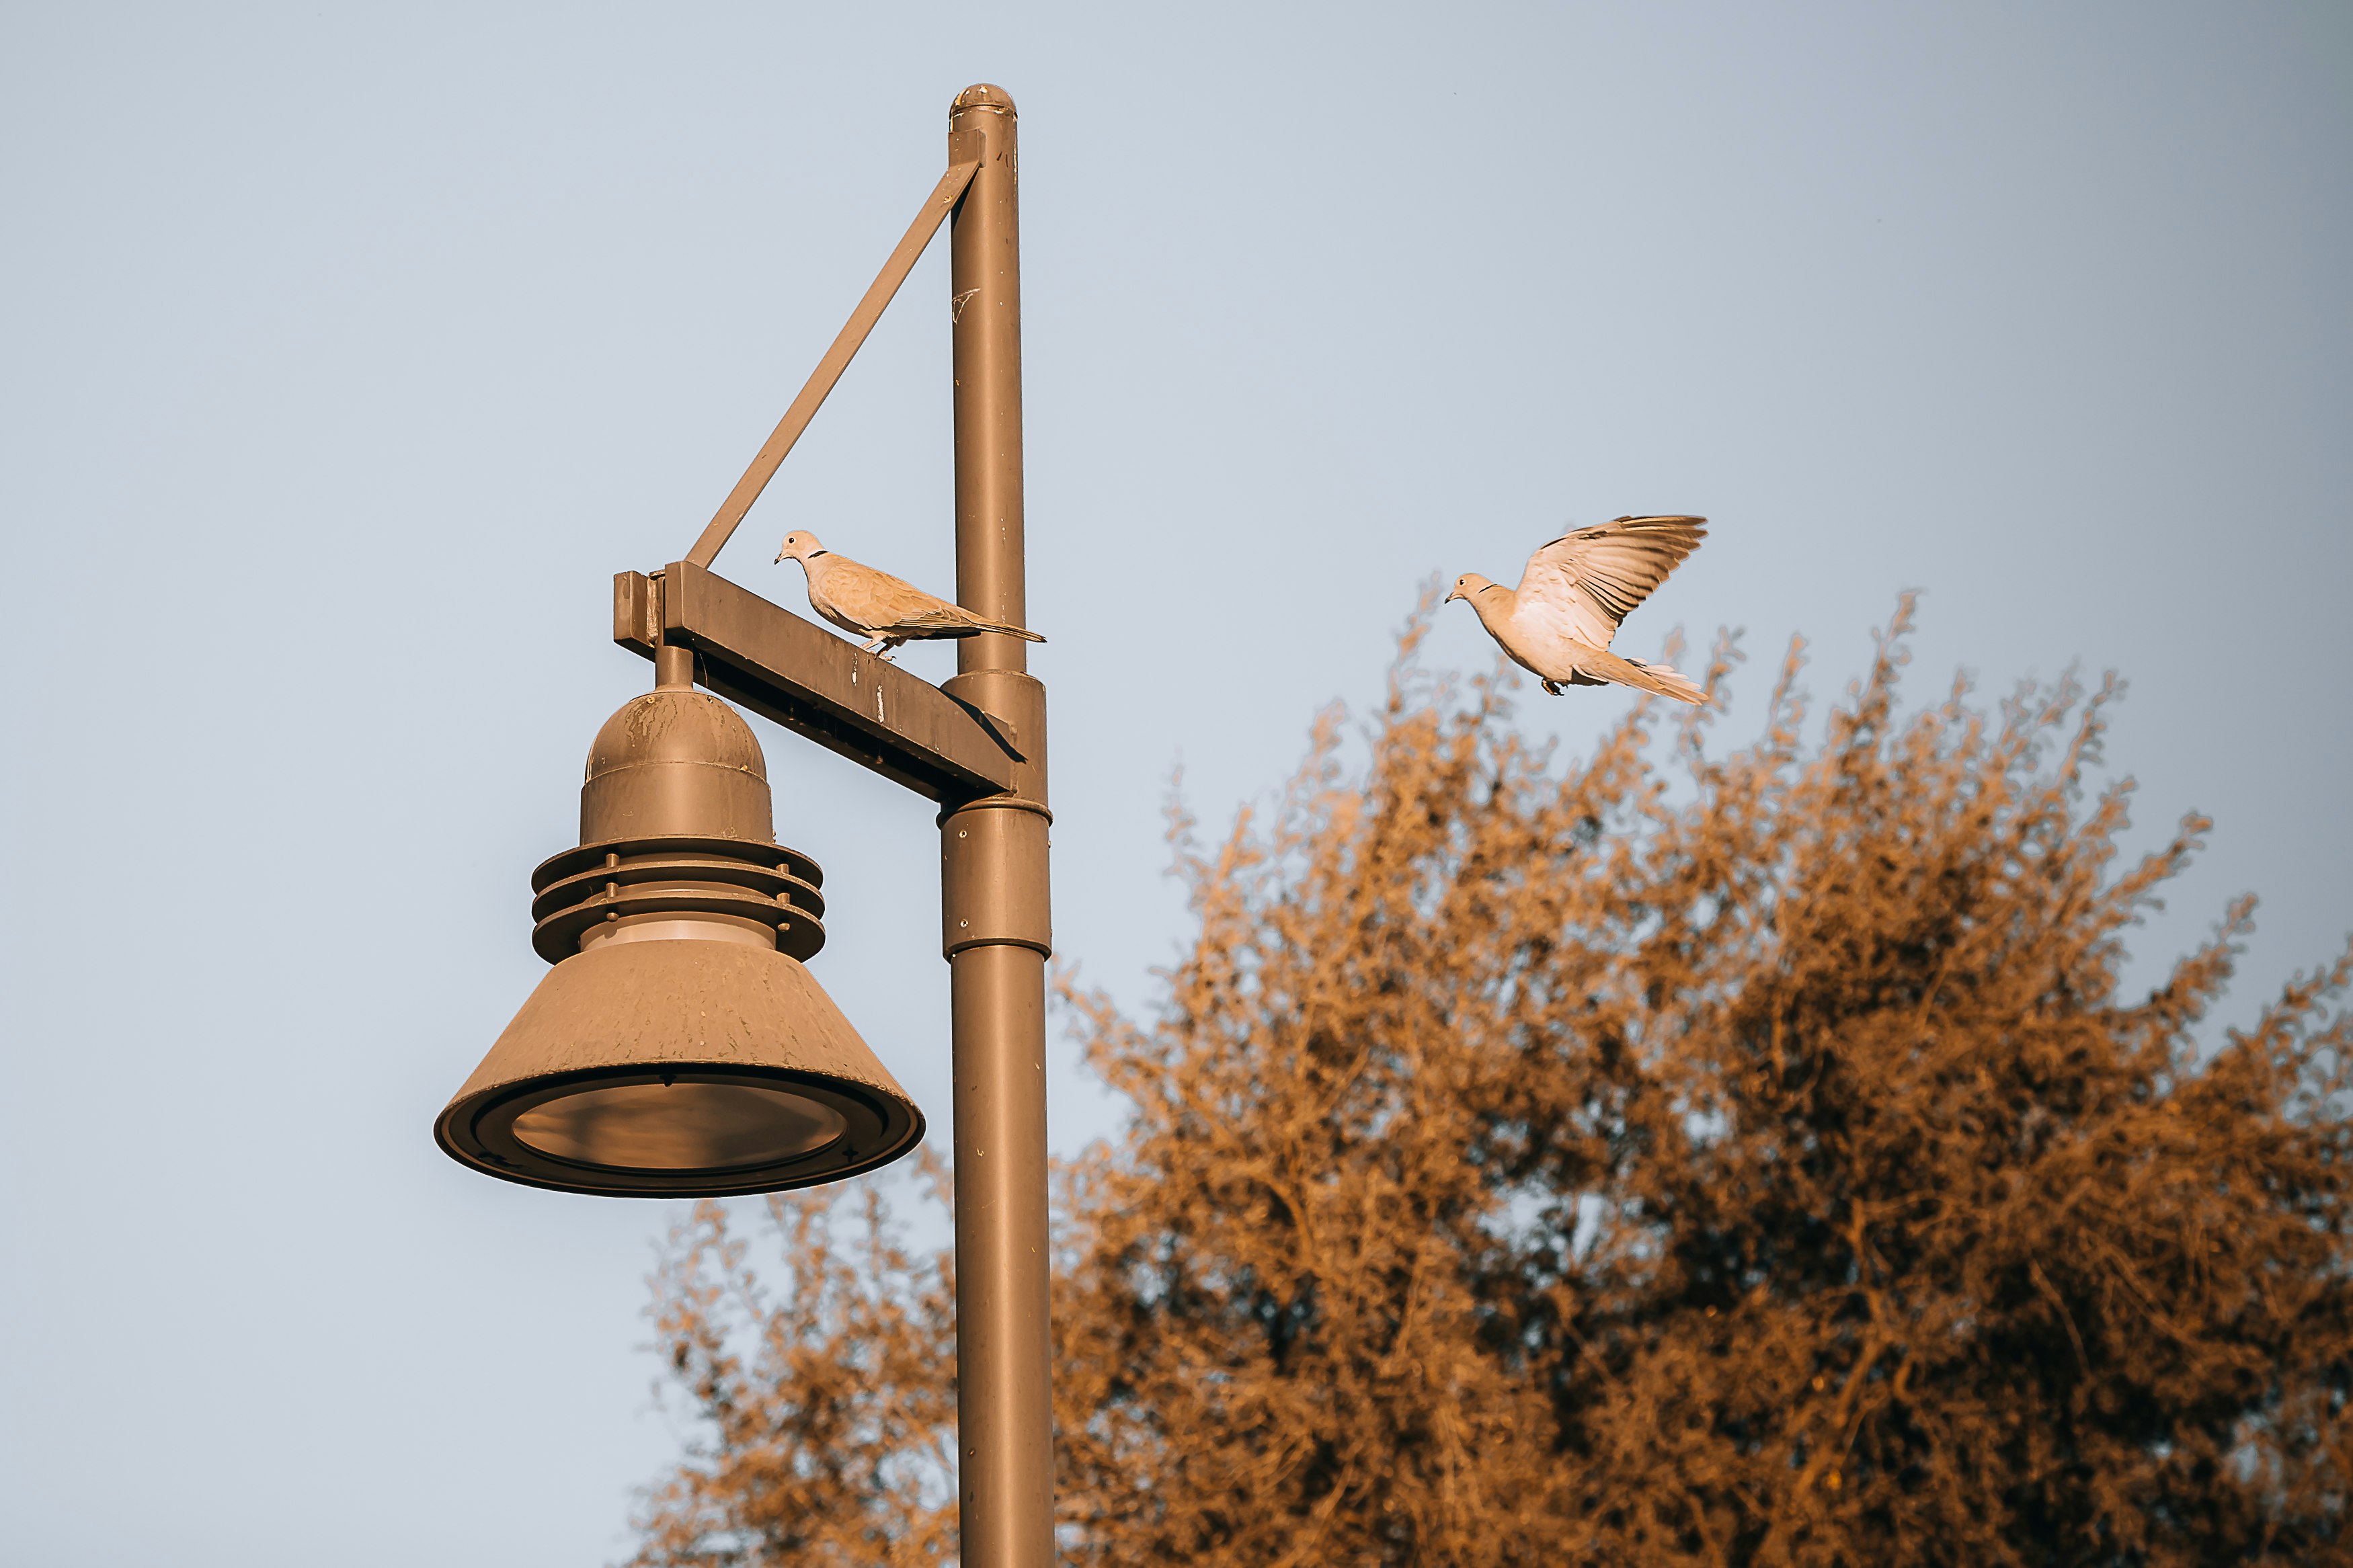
x: 678, y: 1046
x: 993, y: 897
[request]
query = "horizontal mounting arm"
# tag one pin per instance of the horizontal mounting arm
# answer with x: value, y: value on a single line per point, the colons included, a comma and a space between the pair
x: 828, y: 370
x: 815, y: 684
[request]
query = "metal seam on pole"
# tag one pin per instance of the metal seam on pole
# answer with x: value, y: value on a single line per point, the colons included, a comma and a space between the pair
x: 995, y: 802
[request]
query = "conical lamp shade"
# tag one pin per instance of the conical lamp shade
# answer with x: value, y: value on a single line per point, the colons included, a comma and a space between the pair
x: 678, y: 1069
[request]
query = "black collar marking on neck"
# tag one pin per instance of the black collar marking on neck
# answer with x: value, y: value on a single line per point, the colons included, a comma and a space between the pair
x: 815, y: 554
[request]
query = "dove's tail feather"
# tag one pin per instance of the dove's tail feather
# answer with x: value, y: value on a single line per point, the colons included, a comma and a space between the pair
x: 953, y: 621
x: 1024, y: 632
x: 1651, y: 678
x: 966, y: 623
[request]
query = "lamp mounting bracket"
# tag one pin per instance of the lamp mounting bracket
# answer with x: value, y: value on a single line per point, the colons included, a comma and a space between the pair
x: 817, y: 684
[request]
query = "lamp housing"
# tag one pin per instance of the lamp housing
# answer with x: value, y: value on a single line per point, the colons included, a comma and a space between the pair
x: 680, y: 1047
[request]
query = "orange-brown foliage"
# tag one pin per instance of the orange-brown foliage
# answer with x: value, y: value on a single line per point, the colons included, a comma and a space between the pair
x: 829, y: 1403
x: 1723, y: 1158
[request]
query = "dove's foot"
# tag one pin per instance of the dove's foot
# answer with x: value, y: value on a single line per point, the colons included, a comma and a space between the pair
x: 1552, y: 688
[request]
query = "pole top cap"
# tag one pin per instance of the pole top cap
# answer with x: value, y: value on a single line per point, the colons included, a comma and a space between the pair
x: 983, y: 95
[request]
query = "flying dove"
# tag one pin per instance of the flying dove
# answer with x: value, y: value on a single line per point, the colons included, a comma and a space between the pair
x: 878, y: 607
x: 1558, y: 623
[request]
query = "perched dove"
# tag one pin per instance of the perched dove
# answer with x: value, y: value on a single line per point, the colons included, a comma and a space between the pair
x: 1558, y: 622
x: 878, y: 607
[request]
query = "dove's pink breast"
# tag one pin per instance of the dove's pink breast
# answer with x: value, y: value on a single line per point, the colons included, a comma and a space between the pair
x: 1535, y: 645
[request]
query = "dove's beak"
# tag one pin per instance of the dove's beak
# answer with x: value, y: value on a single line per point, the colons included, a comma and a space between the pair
x: 1451, y: 597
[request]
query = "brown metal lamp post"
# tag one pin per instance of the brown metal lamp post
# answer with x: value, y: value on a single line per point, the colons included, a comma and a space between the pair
x: 678, y: 1047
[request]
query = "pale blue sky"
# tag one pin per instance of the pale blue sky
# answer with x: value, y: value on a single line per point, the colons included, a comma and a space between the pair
x: 345, y: 355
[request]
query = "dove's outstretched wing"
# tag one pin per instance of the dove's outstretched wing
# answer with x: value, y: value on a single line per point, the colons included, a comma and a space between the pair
x: 1583, y: 584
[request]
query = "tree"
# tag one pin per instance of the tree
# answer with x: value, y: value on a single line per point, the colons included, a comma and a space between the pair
x: 830, y: 1403
x: 1666, y: 1158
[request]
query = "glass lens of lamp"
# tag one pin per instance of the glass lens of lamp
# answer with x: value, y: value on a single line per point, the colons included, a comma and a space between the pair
x: 680, y: 1126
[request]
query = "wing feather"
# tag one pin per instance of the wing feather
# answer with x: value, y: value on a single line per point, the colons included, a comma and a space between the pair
x: 875, y: 598
x: 1590, y: 581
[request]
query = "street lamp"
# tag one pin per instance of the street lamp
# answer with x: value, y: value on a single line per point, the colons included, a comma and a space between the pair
x: 678, y: 1047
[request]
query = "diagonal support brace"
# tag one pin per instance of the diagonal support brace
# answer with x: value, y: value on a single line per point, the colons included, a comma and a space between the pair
x: 936, y: 208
